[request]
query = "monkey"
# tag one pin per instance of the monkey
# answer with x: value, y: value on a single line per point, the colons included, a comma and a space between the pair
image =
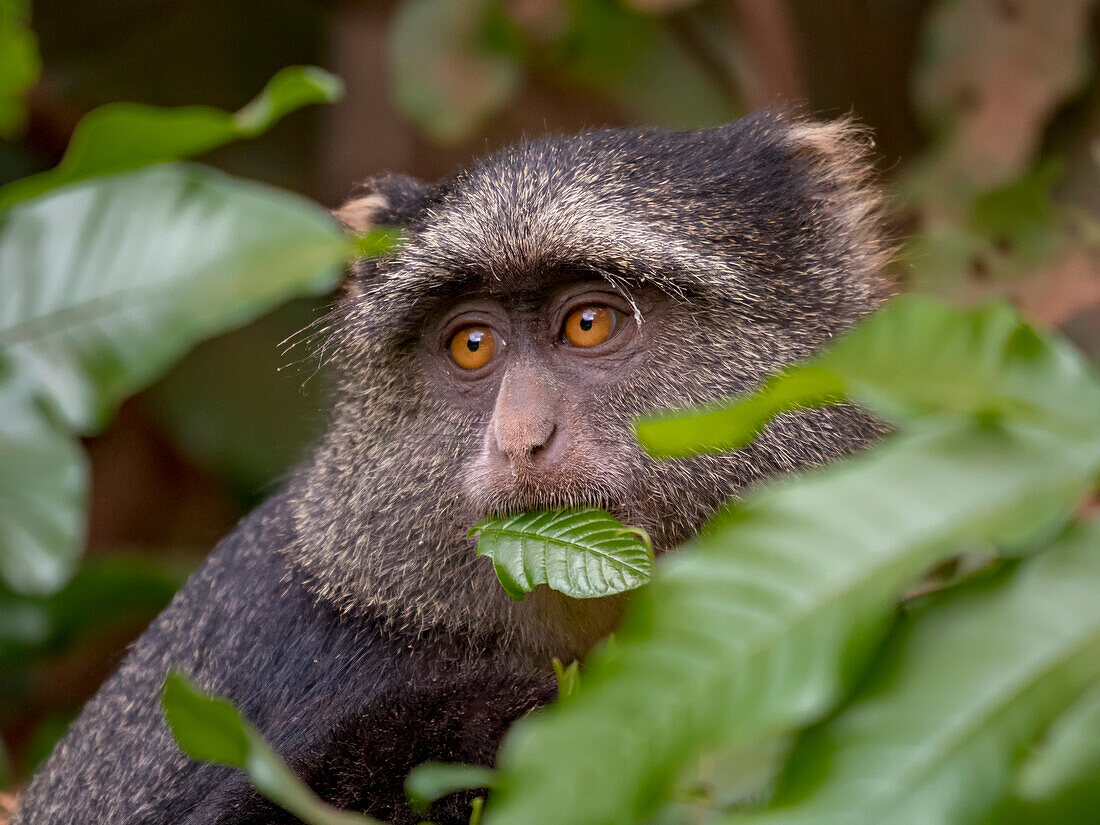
x: 541, y: 300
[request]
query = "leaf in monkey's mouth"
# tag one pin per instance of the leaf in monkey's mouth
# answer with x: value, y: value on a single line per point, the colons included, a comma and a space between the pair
x: 581, y: 553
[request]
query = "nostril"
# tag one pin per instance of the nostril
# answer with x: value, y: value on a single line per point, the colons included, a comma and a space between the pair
x: 542, y: 446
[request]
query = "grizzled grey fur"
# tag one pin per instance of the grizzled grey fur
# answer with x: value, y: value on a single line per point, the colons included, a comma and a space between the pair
x: 349, y: 617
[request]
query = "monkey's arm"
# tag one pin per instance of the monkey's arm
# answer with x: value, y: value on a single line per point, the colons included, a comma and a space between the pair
x: 360, y: 761
x: 244, y: 629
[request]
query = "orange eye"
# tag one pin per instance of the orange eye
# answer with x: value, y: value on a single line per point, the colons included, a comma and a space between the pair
x: 473, y: 347
x: 590, y: 326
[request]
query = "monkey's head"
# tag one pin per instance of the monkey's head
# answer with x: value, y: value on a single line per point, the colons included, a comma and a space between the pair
x: 543, y: 299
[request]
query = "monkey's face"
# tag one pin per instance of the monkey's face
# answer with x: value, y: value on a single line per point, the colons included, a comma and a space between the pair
x: 547, y: 297
x: 539, y: 374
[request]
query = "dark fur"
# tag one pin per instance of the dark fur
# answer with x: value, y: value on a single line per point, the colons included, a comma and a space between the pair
x: 349, y: 617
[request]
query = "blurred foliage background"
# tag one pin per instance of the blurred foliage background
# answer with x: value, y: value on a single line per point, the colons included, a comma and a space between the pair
x: 986, y: 114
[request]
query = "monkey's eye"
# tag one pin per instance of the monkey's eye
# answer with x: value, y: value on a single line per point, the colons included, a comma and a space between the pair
x: 473, y: 347
x: 590, y: 325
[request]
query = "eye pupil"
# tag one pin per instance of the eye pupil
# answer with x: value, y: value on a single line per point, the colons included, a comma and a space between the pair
x: 474, y: 341
x: 588, y: 317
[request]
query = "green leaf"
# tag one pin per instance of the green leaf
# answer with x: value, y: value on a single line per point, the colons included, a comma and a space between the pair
x: 430, y: 781
x: 581, y: 553
x: 19, y: 63
x: 763, y: 621
x: 1069, y: 753
x: 121, y: 136
x: 962, y: 689
x: 107, y: 283
x: 731, y: 426
x: 211, y: 730
x: 453, y: 64
x: 637, y: 62
x: 43, y: 490
x: 569, y: 678
x: 916, y: 357
x: 103, y: 593
x: 206, y: 728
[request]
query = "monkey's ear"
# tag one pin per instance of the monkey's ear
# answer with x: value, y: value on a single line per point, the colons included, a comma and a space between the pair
x: 393, y: 200
x: 839, y: 154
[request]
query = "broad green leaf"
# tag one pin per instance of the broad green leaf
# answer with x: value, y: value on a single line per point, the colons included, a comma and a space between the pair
x: 43, y: 488
x: 915, y: 357
x: 1070, y: 752
x: 581, y: 553
x: 430, y: 781
x: 761, y: 623
x: 962, y: 689
x: 19, y: 63
x: 121, y: 136
x: 108, y: 282
x: 210, y: 729
x: 454, y: 63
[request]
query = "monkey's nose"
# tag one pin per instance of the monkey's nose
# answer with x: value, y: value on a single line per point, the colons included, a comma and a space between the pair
x: 524, y: 427
x: 526, y: 445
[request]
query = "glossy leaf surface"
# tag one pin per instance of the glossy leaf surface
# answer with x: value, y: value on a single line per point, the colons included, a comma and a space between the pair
x: 963, y: 688
x: 43, y: 480
x: 581, y: 553
x: 106, y: 283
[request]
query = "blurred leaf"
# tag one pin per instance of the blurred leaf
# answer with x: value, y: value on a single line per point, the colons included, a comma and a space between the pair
x: 454, y: 63
x: 106, y: 591
x: 211, y: 730
x: 1021, y: 218
x: 581, y: 553
x: 430, y: 781
x: 730, y: 426
x: 934, y: 734
x: 43, y: 481
x: 122, y: 136
x: 633, y: 59
x: 46, y: 736
x: 915, y: 357
x: 988, y: 78
x: 381, y: 240
x: 19, y: 63
x: 101, y: 594
x: 107, y: 283
x: 761, y: 623
x: 1070, y: 752
x: 568, y: 678
x: 1004, y: 233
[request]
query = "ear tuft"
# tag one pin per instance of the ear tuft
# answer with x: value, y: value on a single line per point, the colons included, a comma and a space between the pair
x: 838, y: 155
x: 391, y: 200
x: 361, y: 214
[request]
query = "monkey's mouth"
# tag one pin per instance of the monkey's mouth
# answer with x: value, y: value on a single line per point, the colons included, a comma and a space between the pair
x: 508, y: 495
